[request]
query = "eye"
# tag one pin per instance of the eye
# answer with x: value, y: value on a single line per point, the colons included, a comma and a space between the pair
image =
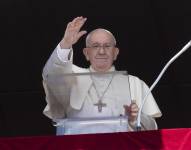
x: 96, y: 46
x: 107, y: 46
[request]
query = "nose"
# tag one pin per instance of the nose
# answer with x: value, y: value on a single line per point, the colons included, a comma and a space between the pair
x: 102, y: 50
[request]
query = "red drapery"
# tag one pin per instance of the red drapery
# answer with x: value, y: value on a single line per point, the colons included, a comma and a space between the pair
x: 166, y: 139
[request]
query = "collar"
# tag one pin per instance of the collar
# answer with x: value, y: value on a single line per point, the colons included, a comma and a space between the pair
x: 111, y: 69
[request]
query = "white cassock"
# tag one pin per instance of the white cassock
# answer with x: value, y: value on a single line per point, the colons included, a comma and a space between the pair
x: 76, y: 96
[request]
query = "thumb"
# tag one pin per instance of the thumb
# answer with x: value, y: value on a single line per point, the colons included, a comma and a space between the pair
x: 80, y: 34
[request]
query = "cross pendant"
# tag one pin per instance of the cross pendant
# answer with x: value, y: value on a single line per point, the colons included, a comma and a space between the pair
x: 100, y: 105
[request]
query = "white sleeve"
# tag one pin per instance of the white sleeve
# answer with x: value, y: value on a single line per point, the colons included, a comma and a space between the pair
x: 63, y: 54
x: 138, y: 91
x: 57, y: 87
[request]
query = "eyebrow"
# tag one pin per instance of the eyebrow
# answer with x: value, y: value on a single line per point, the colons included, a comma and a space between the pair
x: 101, y: 43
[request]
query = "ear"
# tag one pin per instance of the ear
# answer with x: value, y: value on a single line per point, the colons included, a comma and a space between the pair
x: 85, y: 52
x: 116, y: 52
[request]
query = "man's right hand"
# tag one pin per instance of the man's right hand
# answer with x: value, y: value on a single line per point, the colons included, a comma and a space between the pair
x: 73, y: 33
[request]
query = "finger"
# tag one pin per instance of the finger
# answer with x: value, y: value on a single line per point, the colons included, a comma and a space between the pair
x: 134, y: 107
x: 68, y: 25
x: 81, y: 33
x: 135, y: 110
x: 81, y: 23
x: 72, y: 23
x: 71, y: 27
x: 133, y: 115
x: 76, y: 24
x: 77, y: 20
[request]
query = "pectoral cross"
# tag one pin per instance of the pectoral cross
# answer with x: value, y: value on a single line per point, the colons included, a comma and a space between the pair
x: 100, y: 105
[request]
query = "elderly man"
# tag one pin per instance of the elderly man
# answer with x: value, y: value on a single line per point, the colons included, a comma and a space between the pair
x: 94, y: 96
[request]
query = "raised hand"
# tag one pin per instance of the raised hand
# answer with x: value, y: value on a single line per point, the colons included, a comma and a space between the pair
x: 73, y: 33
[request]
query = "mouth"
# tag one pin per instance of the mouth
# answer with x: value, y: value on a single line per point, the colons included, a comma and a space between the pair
x: 101, y: 58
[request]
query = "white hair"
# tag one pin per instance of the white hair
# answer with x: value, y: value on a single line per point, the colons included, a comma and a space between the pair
x: 88, y: 38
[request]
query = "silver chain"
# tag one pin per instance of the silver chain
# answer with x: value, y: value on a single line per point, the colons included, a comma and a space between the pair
x: 100, y: 97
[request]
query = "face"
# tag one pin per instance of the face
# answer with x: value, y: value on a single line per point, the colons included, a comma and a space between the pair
x: 101, y: 51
